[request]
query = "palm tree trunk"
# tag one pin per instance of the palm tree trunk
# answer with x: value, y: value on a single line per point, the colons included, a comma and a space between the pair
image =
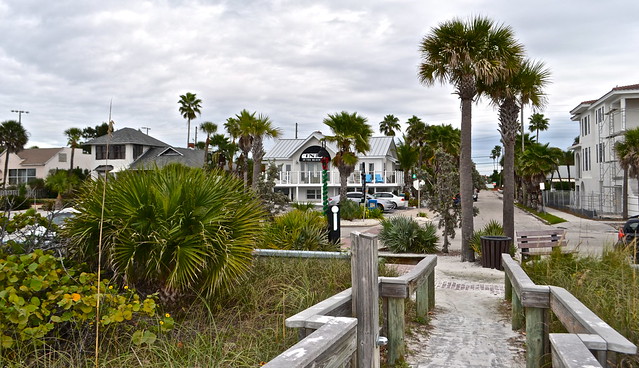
x: 624, y: 195
x: 465, y: 180
x: 188, y: 132
x: 258, y: 153
x: 72, y: 154
x: 6, y: 166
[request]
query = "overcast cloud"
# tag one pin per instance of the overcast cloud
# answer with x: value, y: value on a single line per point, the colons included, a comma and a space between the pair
x: 295, y: 61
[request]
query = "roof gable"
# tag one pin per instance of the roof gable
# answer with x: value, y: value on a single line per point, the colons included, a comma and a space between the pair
x: 127, y: 136
x: 37, y: 156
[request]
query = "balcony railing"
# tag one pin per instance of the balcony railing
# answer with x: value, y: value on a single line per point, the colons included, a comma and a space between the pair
x: 376, y: 178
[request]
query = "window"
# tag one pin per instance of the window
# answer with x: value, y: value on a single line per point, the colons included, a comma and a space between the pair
x: 137, y: 150
x: 587, y: 159
x: 62, y: 157
x: 585, y: 125
x: 601, y: 153
x: 599, y: 115
x: 86, y: 150
x: 116, y: 152
x: 371, y: 167
x: 313, y: 194
x: 21, y: 176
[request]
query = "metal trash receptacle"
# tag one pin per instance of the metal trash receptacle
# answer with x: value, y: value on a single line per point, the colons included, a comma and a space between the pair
x: 491, y: 249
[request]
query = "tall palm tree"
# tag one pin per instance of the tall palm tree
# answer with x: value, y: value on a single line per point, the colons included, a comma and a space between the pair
x: 537, y: 122
x: 465, y: 54
x: 189, y: 109
x: 73, y: 140
x: 525, y: 85
x: 446, y: 137
x: 13, y: 138
x: 240, y: 129
x: 495, y: 154
x: 262, y: 128
x: 534, y: 165
x: 352, y: 135
x: 208, y: 128
x: 627, y: 152
x: 389, y: 125
x: 407, y: 156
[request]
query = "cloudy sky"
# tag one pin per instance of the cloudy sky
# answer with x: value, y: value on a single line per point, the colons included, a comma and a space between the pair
x: 295, y: 61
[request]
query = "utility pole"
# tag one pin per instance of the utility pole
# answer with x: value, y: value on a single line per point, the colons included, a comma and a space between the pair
x: 20, y: 112
x: 147, y: 129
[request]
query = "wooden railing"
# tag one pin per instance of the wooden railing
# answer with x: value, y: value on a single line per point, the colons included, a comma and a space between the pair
x: 536, y: 301
x: 345, y: 327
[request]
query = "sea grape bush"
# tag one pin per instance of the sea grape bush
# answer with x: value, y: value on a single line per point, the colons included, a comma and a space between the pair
x: 40, y: 298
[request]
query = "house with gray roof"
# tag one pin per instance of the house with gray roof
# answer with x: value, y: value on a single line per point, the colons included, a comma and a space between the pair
x: 36, y: 163
x: 131, y: 149
x: 300, y: 169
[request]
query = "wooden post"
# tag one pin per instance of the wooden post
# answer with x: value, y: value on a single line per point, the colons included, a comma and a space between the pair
x: 431, y: 290
x: 421, y: 299
x: 508, y: 287
x: 395, y: 330
x: 536, y: 337
x: 365, y: 298
x: 517, y: 319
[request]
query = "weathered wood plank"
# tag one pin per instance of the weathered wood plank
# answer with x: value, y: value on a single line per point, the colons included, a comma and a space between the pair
x: 365, y: 283
x: 421, y: 300
x: 405, y: 285
x: 536, y: 337
x: 577, y: 318
x: 517, y: 318
x: 330, y: 346
x: 395, y: 330
x: 334, y: 306
x: 569, y: 351
x: 529, y: 294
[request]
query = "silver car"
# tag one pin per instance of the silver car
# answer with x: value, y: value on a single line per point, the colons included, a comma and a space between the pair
x: 357, y: 197
x: 400, y: 202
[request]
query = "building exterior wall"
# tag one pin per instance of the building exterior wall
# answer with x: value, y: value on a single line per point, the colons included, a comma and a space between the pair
x: 59, y: 160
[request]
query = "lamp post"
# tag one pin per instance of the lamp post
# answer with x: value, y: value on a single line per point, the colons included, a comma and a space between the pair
x: 20, y: 112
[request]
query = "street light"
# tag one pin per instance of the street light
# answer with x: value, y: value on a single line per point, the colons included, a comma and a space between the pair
x: 20, y: 112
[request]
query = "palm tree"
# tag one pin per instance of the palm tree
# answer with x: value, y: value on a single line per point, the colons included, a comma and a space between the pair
x: 446, y: 137
x: 240, y: 128
x: 73, y: 140
x: 352, y: 135
x: 524, y: 86
x: 537, y: 122
x: 495, y: 154
x: 189, y: 109
x: 627, y: 152
x: 61, y: 182
x: 262, y: 128
x: 13, y: 138
x: 389, y: 125
x: 534, y: 165
x: 208, y: 128
x: 407, y: 157
x: 465, y: 54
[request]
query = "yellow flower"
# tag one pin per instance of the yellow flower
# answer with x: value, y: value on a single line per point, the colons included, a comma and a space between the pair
x: 110, y: 287
x: 167, y: 315
x: 161, y: 322
x: 75, y: 297
x: 126, y: 287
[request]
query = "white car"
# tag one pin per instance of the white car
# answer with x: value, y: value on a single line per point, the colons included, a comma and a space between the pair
x: 400, y: 202
x: 357, y: 197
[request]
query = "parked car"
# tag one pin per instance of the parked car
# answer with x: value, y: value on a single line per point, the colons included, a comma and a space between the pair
x: 382, y: 203
x: 400, y: 202
x: 628, y: 233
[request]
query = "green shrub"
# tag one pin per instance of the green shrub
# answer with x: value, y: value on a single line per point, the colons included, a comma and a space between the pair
x: 492, y: 228
x: 176, y: 230
x: 14, y: 203
x: 349, y: 210
x: 298, y: 230
x: 403, y: 234
x: 374, y: 213
x: 40, y: 298
x: 303, y: 206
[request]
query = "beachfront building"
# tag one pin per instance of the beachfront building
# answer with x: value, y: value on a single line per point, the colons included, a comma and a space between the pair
x: 36, y: 163
x: 300, y: 169
x: 598, y: 176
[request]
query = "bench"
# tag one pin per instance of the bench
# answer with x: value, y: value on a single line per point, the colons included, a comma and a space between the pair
x: 540, y: 242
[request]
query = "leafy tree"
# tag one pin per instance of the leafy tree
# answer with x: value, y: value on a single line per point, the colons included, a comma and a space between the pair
x: 389, y: 125
x: 407, y: 157
x: 466, y: 54
x: 73, y: 140
x: 445, y: 178
x: 178, y: 230
x: 208, y: 128
x: 525, y: 85
x: 537, y: 122
x: 352, y: 135
x: 628, y: 155
x: 262, y: 128
x: 13, y: 138
x: 189, y: 109
x: 99, y: 130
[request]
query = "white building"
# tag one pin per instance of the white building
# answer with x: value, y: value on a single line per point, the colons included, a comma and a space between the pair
x: 598, y: 175
x: 36, y: 163
x: 300, y: 169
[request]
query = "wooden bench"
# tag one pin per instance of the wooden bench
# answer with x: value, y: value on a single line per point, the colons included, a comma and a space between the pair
x: 540, y: 242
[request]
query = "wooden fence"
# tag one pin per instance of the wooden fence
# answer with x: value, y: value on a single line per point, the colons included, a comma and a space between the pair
x: 589, y: 342
x: 345, y: 329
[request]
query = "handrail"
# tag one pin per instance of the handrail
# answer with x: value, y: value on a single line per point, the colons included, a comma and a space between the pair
x: 570, y: 351
x: 572, y: 313
x: 403, y: 286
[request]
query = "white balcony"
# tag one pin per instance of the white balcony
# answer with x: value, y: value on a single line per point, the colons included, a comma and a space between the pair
x: 377, y: 178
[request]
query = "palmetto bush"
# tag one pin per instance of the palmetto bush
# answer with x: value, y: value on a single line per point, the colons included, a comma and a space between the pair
x: 402, y: 234
x: 299, y: 230
x: 176, y: 229
x: 492, y: 228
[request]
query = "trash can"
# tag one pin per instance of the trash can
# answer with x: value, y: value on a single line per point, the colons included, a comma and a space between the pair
x: 491, y: 249
x: 372, y: 203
